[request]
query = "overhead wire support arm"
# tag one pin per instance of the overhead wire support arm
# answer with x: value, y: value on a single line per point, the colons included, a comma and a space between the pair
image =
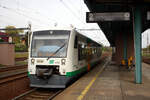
x: 16, y: 29
x: 89, y: 29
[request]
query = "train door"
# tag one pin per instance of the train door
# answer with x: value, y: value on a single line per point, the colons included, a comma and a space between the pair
x: 89, y: 57
x: 76, y: 51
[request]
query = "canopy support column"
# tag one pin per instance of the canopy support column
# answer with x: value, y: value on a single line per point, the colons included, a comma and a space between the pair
x: 137, y: 27
x: 125, y: 46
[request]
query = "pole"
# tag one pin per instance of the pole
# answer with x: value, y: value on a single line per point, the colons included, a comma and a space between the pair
x: 137, y: 25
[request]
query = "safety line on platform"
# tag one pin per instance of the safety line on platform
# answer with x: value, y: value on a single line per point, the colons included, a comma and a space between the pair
x: 91, y: 83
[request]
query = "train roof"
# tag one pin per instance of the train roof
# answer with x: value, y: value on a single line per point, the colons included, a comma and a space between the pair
x: 68, y: 31
x: 65, y: 29
x: 89, y: 39
x: 47, y: 32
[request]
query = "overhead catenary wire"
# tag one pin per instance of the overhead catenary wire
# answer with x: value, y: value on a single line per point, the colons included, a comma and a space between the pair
x: 37, y: 13
x: 27, y: 10
x: 31, y: 10
x: 71, y: 11
x: 38, y: 21
x: 89, y: 29
x: 5, y: 21
x: 79, y: 10
x: 13, y: 10
x: 11, y: 22
x: 8, y: 18
x: 71, y: 3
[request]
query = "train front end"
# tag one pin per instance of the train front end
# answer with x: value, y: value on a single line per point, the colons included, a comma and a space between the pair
x: 48, y: 58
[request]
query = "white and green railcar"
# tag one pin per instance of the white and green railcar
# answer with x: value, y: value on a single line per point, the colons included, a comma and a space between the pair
x: 56, y: 57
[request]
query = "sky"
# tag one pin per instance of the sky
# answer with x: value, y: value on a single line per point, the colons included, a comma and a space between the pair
x: 49, y: 14
x: 146, y: 38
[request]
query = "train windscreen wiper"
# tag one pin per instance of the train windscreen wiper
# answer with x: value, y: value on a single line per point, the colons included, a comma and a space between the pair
x: 56, y: 51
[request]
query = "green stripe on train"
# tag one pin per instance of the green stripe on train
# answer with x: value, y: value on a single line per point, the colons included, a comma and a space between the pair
x: 73, y: 73
x: 28, y: 73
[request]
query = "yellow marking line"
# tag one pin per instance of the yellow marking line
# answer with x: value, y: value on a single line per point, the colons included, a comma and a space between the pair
x: 90, y: 84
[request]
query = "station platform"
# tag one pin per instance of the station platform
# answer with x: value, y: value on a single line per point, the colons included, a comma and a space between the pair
x: 108, y: 81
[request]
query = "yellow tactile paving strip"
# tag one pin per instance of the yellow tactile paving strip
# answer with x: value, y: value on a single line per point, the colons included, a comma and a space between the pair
x: 111, y: 84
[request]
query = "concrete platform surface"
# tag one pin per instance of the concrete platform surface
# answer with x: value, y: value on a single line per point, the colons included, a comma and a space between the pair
x: 113, y: 83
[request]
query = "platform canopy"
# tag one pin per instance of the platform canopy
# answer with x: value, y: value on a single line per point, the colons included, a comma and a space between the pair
x: 123, y: 1
x: 115, y: 16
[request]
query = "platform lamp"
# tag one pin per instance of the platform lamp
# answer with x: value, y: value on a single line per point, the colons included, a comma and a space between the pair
x: 29, y: 33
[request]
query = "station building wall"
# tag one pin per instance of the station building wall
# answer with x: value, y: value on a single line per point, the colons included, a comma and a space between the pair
x: 119, y: 48
x: 7, y: 54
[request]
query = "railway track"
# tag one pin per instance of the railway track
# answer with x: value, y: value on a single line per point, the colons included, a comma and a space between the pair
x: 13, y: 82
x: 146, y: 60
x: 10, y: 68
x: 38, y: 94
x: 11, y: 74
x: 21, y: 59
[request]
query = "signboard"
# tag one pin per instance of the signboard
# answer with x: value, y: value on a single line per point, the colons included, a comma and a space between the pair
x: 123, y: 1
x: 107, y: 16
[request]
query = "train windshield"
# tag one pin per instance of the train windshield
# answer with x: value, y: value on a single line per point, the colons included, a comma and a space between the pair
x: 50, y: 45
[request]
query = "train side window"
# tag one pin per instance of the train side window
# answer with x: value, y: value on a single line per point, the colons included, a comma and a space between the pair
x: 76, y: 42
x: 79, y: 52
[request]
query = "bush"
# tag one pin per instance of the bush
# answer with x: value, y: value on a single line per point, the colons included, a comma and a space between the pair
x: 20, y: 48
x: 1, y: 40
x: 106, y: 49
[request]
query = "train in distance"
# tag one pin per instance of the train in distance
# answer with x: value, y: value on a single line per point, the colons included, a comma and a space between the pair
x: 57, y: 57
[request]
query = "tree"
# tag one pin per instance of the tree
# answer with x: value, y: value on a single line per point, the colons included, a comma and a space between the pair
x: 26, y: 38
x: 14, y: 32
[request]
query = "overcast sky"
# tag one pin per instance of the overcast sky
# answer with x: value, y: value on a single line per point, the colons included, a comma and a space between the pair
x: 146, y: 38
x: 47, y: 14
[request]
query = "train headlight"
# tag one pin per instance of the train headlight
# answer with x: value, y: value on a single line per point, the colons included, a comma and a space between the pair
x: 63, y: 61
x: 30, y: 70
x: 32, y: 61
x: 57, y: 68
x: 64, y: 71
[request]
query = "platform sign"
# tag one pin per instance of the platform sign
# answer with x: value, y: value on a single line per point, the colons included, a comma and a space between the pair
x: 123, y: 1
x: 107, y: 16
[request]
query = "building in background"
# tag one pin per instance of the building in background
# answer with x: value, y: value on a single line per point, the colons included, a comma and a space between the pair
x: 4, y: 37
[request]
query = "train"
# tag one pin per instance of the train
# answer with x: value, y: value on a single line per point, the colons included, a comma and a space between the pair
x: 56, y: 57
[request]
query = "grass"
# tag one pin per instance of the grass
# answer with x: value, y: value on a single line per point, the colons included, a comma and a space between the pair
x: 1, y: 65
x: 146, y: 55
x: 21, y: 54
x: 21, y: 63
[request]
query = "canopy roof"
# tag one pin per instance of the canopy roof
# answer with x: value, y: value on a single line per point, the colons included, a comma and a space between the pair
x: 112, y: 28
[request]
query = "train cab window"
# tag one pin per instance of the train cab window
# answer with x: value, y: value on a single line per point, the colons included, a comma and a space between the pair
x: 76, y: 42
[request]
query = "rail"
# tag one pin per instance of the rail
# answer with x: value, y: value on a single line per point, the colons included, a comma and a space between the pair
x: 38, y: 94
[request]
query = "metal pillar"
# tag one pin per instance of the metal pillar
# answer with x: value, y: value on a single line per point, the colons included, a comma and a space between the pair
x: 137, y: 25
x: 125, y: 46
